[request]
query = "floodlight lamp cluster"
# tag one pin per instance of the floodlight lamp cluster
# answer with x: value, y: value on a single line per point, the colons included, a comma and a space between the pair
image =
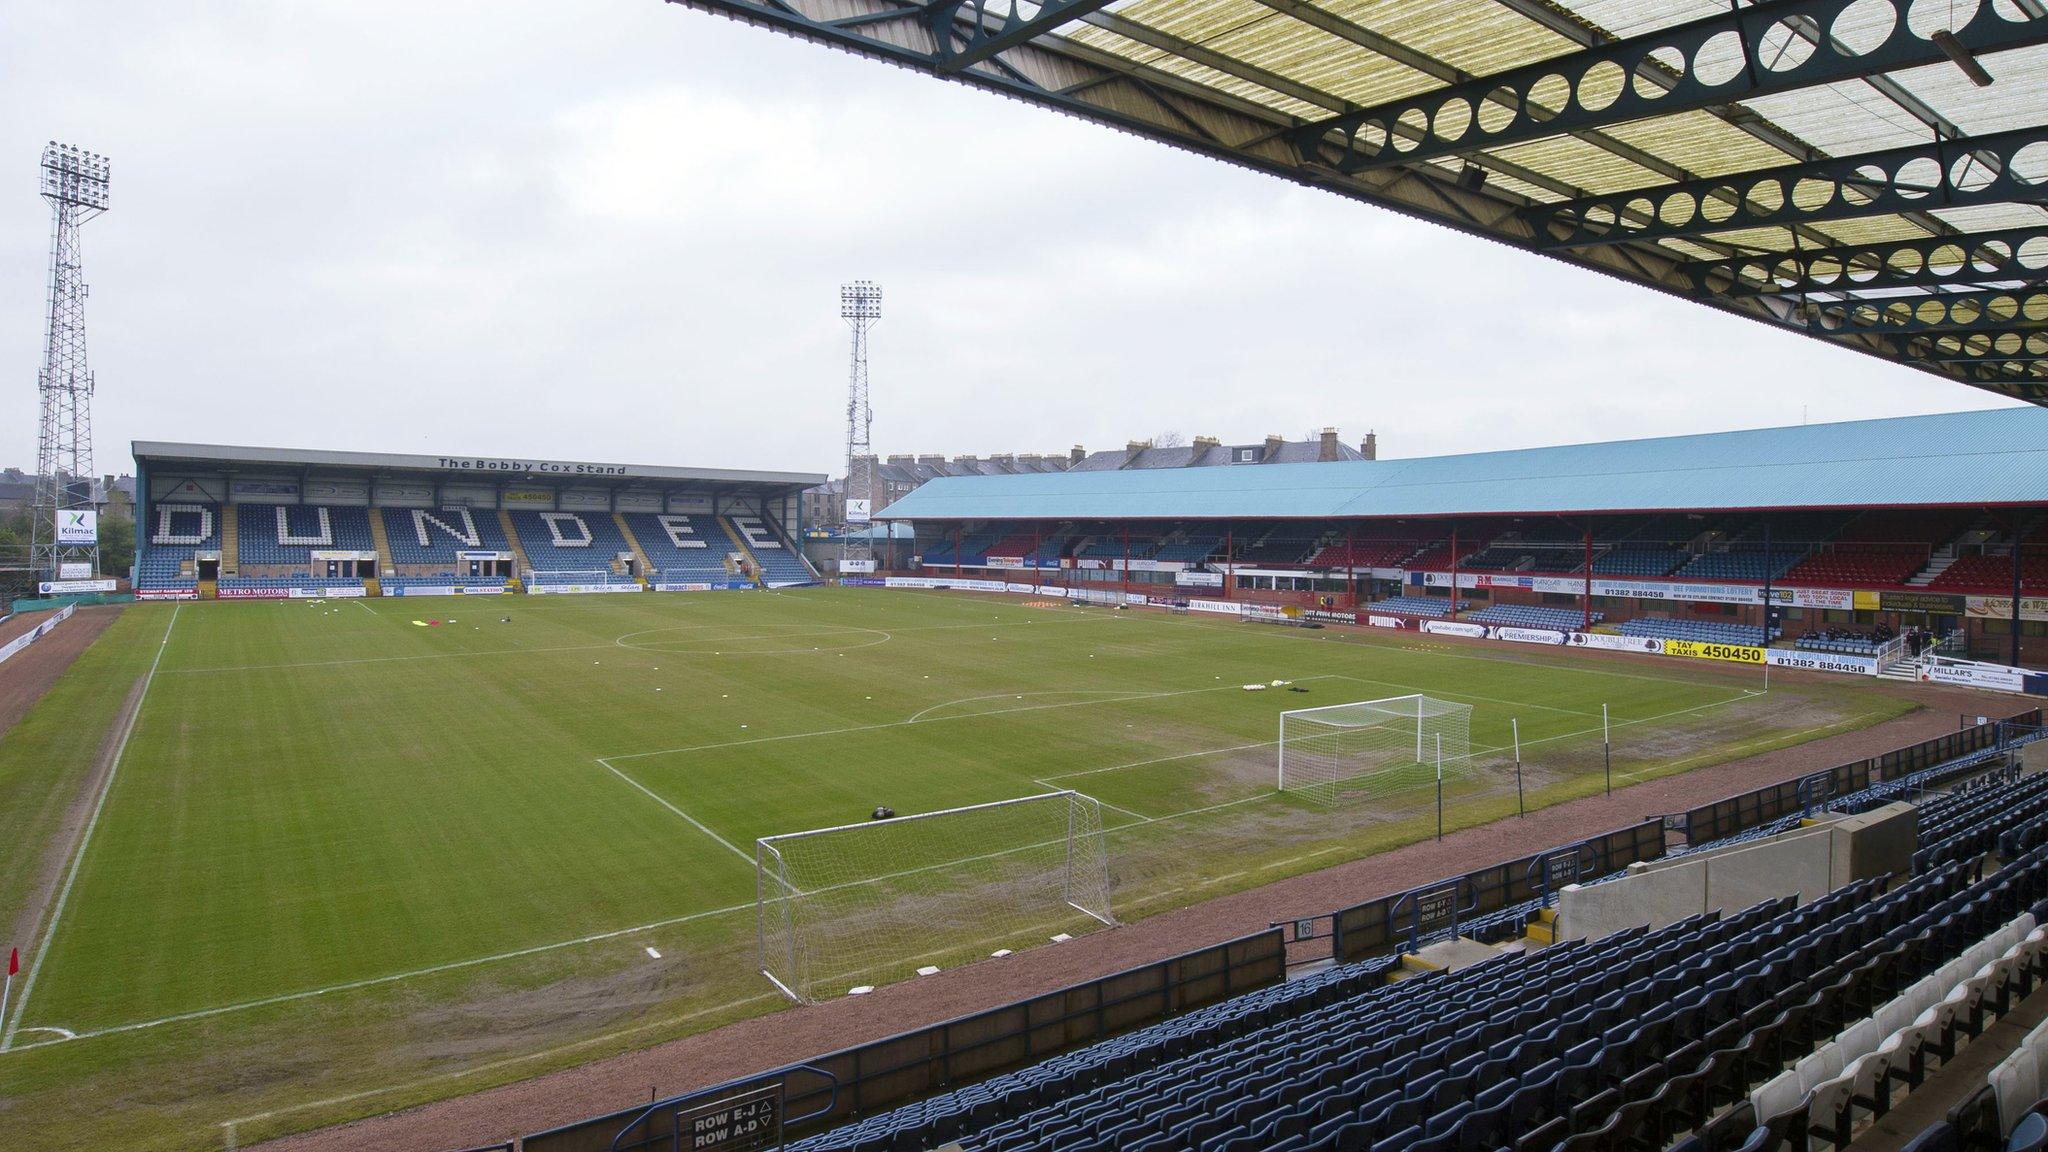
x: 860, y: 300
x: 72, y: 175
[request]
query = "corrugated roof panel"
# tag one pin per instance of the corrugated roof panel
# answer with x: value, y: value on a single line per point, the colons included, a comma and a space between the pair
x: 1700, y: 143
x: 1964, y: 458
x: 1480, y: 39
x: 1574, y: 161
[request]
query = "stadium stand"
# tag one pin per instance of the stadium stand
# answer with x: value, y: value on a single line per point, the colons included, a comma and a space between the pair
x: 1529, y: 616
x: 1282, y: 543
x: 1431, y: 606
x: 1189, y: 546
x: 1860, y: 566
x: 585, y: 544
x: 288, y: 583
x: 1991, y: 572
x: 1704, y: 631
x: 287, y: 534
x: 683, y: 549
x: 1747, y: 563
x: 781, y: 566
x: 972, y: 549
x: 1839, y: 641
x: 1649, y: 563
x: 1637, y: 1040
x: 431, y: 537
x: 1015, y: 546
x: 1363, y: 554
x: 177, y: 529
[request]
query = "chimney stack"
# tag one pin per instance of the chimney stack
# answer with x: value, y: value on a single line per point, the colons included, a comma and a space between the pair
x: 1371, y: 447
x: 1075, y: 455
x: 1327, y: 450
x: 1136, y: 446
x: 1273, y: 444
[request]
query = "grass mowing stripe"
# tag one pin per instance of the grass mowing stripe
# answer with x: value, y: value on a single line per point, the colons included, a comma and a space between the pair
x: 35, y: 967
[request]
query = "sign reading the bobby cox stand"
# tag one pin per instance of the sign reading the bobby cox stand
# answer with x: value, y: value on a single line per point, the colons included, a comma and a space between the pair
x: 1738, y: 653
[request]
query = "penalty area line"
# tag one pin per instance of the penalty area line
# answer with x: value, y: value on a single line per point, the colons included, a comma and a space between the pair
x: 692, y: 820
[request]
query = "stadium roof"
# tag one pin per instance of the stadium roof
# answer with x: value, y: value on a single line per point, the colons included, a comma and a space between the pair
x: 565, y: 473
x: 1826, y: 166
x: 1974, y: 459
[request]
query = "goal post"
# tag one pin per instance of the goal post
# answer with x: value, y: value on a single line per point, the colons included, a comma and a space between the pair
x: 1371, y: 745
x: 871, y: 902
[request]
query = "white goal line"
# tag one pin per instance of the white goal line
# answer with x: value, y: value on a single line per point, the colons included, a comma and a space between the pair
x: 1067, y: 792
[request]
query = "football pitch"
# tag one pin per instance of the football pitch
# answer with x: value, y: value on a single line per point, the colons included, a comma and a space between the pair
x: 413, y: 805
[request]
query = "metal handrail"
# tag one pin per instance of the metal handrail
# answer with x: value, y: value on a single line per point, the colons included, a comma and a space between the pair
x: 779, y: 1078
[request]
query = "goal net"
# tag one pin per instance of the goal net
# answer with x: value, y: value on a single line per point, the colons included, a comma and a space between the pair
x: 1373, y: 746
x: 872, y: 902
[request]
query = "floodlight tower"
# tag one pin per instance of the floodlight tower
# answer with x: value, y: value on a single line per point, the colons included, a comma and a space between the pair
x: 860, y: 305
x: 75, y: 184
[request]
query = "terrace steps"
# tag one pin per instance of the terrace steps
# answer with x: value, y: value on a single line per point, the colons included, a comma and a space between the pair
x: 382, y: 543
x: 230, y: 540
x: 519, y: 561
x: 643, y: 567
x: 739, y: 544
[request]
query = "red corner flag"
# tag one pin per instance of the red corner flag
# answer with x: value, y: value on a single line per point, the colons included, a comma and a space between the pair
x: 13, y: 961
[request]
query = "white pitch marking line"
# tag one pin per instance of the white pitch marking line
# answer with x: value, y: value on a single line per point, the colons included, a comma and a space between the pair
x: 1162, y: 760
x: 522, y: 1058
x: 1018, y: 696
x: 1097, y: 799
x: 35, y: 968
x: 935, y: 720
x: 693, y: 821
x: 372, y: 981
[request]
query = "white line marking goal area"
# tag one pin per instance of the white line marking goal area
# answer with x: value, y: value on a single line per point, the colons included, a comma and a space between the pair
x: 851, y: 904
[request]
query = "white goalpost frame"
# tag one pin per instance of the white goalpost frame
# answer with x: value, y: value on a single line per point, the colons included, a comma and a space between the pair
x: 779, y: 901
x: 583, y: 575
x: 1448, y: 721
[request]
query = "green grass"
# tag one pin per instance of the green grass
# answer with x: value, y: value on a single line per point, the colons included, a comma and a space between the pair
x: 330, y: 795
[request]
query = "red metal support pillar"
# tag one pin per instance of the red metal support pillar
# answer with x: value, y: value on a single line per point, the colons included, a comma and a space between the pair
x: 1229, y: 562
x: 1587, y: 597
x: 1127, y: 558
x: 1037, y: 542
x: 956, y: 550
x: 1454, y: 570
x: 2018, y: 570
x: 1350, y: 565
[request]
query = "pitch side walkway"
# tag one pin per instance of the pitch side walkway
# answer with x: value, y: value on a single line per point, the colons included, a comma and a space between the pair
x: 767, y: 1042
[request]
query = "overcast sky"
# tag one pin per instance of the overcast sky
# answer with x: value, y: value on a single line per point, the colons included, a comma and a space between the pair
x: 615, y: 230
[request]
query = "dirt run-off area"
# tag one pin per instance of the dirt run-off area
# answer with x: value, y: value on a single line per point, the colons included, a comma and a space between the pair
x: 767, y: 1042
